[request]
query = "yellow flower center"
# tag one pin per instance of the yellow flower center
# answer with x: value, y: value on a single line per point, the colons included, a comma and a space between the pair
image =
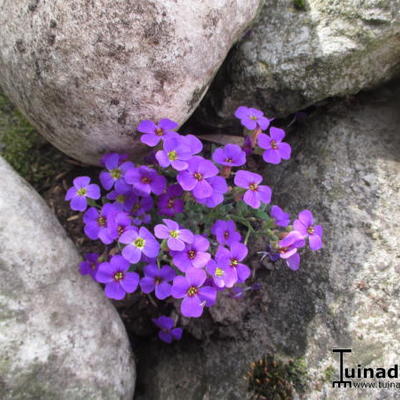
x: 229, y: 160
x: 120, y: 198
x: 253, y: 186
x: 310, y: 230
x: 171, y: 203
x: 139, y: 243
x: 174, y: 234
x: 192, y: 254
x: 192, y: 291
x: 145, y: 179
x: 115, y: 173
x: 159, y: 132
x: 274, y: 145
x: 101, y: 221
x: 118, y: 276
x: 234, y: 262
x: 198, y: 176
x: 219, y: 272
x: 81, y: 191
x: 172, y: 155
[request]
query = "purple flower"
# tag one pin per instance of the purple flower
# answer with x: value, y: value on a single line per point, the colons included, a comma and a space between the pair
x: 146, y: 180
x: 195, y: 295
x: 175, y: 153
x: 118, y: 281
x: 82, y: 188
x: 90, y: 265
x: 223, y: 276
x: 96, y: 222
x: 141, y: 205
x: 121, y: 223
x: 287, y: 249
x: 256, y: 193
x: 167, y: 331
x: 175, y: 236
x: 219, y: 187
x: 275, y: 149
x: 195, y: 144
x: 194, y: 255
x: 225, y: 232
x: 195, y: 177
x: 158, y: 280
x: 138, y: 243
x: 122, y: 201
x: 251, y: 118
x: 280, y: 217
x: 170, y: 203
x: 232, y: 258
x: 305, y: 225
x: 231, y: 156
x: 154, y: 133
x: 114, y: 175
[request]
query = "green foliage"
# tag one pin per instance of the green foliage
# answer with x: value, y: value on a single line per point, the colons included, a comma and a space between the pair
x: 274, y: 379
x: 27, y: 152
x: 299, y: 5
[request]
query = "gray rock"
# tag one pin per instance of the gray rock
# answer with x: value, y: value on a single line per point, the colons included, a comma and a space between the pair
x: 86, y: 73
x: 60, y: 338
x: 346, y: 168
x: 300, y: 52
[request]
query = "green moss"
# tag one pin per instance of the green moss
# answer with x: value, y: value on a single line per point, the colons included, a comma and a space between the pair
x: 299, y: 5
x: 329, y: 374
x: 273, y: 379
x: 26, y: 151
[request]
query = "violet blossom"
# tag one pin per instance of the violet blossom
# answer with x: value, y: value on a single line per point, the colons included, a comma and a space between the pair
x: 82, y: 189
x: 194, y: 255
x: 251, y: 118
x: 280, y: 217
x: 175, y: 236
x: 305, y: 225
x: 118, y: 281
x: 195, y: 296
x: 167, y: 331
x: 225, y: 232
x: 154, y: 133
x: 195, y: 177
x: 275, y: 149
x: 139, y: 242
x: 157, y: 279
x: 255, y: 193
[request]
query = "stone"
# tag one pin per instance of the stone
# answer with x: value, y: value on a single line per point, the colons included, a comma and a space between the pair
x: 301, y: 52
x: 85, y: 74
x: 346, y: 169
x: 60, y: 338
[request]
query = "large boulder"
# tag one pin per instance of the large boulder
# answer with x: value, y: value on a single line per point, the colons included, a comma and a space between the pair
x: 86, y: 73
x: 300, y: 52
x: 346, y: 168
x: 60, y: 338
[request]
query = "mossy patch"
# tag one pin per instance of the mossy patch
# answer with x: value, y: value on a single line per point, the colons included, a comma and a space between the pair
x: 299, y: 5
x: 27, y: 152
x: 271, y: 378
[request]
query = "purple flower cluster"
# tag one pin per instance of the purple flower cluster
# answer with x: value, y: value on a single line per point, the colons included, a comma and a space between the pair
x: 142, y: 216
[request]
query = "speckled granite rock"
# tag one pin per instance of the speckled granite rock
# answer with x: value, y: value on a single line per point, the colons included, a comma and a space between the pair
x: 346, y: 168
x: 86, y: 73
x: 60, y: 338
x: 300, y: 52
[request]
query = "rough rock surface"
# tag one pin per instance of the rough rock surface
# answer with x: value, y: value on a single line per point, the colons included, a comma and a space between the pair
x: 300, y: 52
x: 346, y: 168
x: 86, y: 73
x: 60, y: 338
